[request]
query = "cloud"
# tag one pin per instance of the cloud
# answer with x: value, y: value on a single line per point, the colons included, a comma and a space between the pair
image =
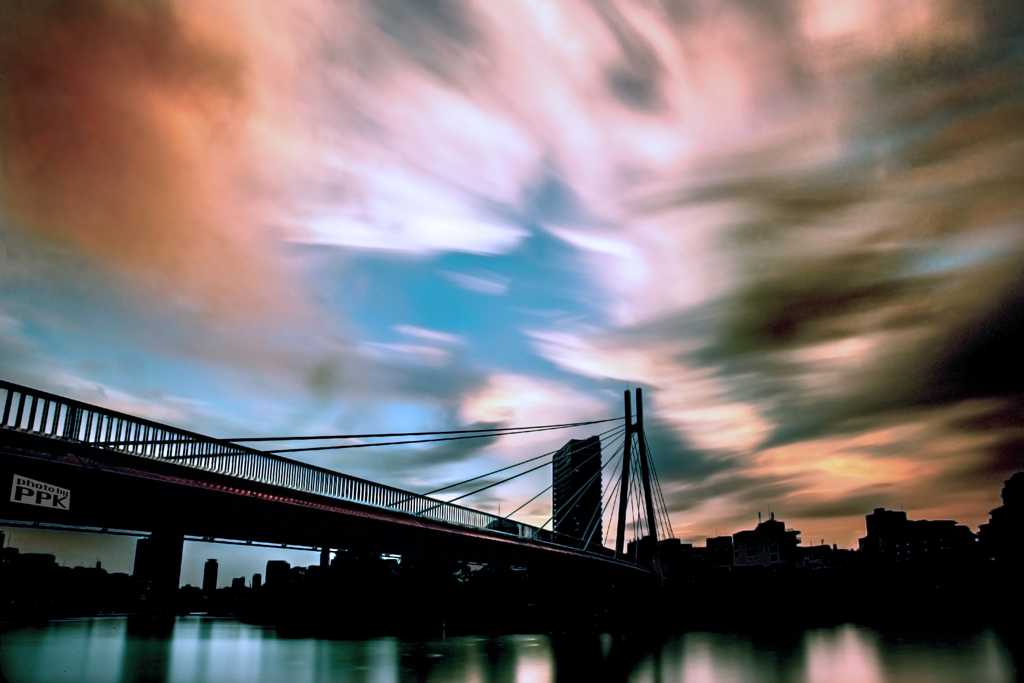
x: 481, y: 281
x: 419, y: 353
x: 429, y: 335
x: 799, y: 224
x: 840, y: 269
x: 694, y: 400
x: 120, y: 139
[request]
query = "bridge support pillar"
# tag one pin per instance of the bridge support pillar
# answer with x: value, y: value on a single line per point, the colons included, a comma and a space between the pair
x: 325, y: 558
x: 158, y: 564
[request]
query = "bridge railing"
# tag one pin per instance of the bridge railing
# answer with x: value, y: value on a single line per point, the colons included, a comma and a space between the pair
x: 41, y: 413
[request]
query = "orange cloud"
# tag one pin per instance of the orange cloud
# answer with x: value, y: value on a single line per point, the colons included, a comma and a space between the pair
x: 120, y: 131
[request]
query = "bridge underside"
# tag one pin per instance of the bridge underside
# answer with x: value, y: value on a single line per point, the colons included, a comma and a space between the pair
x: 114, y: 490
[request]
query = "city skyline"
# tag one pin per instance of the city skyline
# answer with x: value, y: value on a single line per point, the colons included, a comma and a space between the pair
x: 797, y: 227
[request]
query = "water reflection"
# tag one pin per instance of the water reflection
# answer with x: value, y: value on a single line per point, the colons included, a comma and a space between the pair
x: 201, y: 649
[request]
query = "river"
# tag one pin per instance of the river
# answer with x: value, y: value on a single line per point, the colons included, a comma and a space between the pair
x: 197, y: 649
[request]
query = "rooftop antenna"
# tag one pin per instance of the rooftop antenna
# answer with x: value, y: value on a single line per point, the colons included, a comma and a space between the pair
x: 758, y: 516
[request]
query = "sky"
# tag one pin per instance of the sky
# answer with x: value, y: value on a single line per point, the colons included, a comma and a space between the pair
x: 796, y: 224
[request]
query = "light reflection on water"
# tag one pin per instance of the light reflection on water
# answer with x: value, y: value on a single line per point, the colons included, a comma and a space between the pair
x: 201, y: 649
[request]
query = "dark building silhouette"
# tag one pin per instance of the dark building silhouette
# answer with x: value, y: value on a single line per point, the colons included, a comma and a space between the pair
x: 718, y: 551
x: 257, y: 580
x: 278, y: 573
x: 767, y: 544
x: 672, y: 550
x: 210, y: 577
x: 883, y: 527
x: 1002, y: 537
x: 892, y: 537
x: 673, y: 554
x: 641, y: 551
x: 238, y: 583
x: 576, y: 490
x: 158, y: 561
x: 816, y: 556
x: 37, y: 564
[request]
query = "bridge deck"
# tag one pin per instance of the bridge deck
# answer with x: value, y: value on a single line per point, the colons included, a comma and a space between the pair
x: 140, y: 448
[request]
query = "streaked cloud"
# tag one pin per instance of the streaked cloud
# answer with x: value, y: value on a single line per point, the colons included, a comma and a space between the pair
x: 429, y: 335
x: 795, y: 224
x: 480, y: 281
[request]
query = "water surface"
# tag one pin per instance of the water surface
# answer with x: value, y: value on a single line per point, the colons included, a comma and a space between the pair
x: 217, y: 650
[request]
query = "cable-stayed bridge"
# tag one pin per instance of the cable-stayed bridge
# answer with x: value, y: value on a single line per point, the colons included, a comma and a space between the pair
x: 77, y: 466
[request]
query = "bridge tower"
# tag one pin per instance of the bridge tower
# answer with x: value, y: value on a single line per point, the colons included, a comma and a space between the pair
x: 636, y: 428
x: 620, y: 527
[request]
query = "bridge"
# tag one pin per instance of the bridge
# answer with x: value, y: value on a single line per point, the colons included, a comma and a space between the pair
x: 77, y: 466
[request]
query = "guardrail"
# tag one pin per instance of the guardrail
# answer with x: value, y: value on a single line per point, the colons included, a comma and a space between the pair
x: 41, y: 413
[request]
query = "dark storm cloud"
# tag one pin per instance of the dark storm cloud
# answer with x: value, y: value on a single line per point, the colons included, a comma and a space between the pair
x: 431, y: 33
x: 635, y: 78
x: 676, y: 460
x: 878, y: 286
x: 987, y: 470
x: 983, y: 356
x: 968, y: 317
x: 853, y: 504
x: 738, y: 486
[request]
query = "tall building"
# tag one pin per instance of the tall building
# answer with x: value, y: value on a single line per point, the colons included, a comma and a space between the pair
x: 210, y: 577
x: 576, y: 490
x: 278, y: 573
x: 158, y: 561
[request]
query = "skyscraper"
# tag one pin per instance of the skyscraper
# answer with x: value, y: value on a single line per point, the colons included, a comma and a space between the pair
x: 210, y: 577
x: 278, y: 573
x: 577, y: 490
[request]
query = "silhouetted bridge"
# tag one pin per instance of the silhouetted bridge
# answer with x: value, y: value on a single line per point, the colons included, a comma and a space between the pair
x: 110, y: 470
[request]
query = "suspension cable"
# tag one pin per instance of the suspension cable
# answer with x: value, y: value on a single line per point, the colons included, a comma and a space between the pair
x: 456, y: 431
x: 588, y: 485
x: 611, y: 516
x: 502, y: 469
x: 396, y: 443
x: 560, y: 479
x: 604, y: 505
x: 514, y: 476
x: 661, y: 495
x: 636, y: 493
x: 523, y: 462
x: 574, y: 498
x: 484, y: 488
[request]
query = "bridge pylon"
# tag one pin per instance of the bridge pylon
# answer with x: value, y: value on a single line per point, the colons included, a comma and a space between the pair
x: 620, y: 527
x: 637, y: 429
